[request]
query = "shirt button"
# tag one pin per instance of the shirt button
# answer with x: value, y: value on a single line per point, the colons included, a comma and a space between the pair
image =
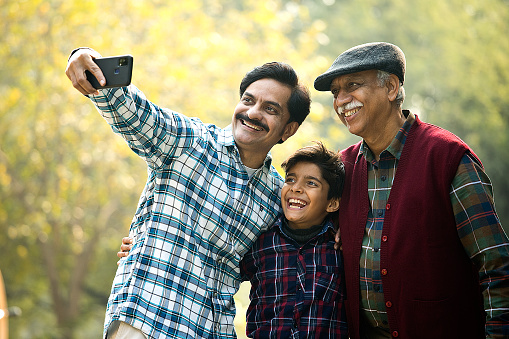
x: 241, y: 210
x: 383, y: 177
x: 384, y: 271
x: 376, y: 249
x: 388, y: 304
x: 384, y: 238
x: 395, y: 334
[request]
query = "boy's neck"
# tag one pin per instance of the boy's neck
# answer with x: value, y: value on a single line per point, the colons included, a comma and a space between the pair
x: 302, y: 235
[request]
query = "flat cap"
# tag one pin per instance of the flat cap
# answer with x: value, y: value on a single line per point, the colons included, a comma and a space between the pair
x: 376, y: 55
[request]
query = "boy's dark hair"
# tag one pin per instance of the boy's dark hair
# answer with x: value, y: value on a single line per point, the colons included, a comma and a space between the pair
x: 299, y: 102
x: 330, y: 164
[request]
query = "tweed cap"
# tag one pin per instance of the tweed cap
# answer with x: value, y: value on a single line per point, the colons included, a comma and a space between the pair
x: 376, y: 55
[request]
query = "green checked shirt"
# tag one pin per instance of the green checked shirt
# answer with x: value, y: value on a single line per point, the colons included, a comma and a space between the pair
x: 478, y: 228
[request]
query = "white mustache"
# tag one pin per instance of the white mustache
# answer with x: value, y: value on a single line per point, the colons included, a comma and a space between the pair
x: 350, y: 105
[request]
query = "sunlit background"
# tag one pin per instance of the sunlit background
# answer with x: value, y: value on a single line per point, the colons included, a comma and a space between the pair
x: 69, y: 186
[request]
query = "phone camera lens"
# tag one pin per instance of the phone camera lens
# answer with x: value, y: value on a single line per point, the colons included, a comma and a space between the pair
x: 122, y: 61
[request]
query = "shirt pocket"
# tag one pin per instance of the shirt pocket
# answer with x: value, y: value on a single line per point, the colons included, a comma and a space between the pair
x: 327, y: 283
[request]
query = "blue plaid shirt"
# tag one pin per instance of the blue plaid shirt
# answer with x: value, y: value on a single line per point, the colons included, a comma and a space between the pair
x: 198, y: 215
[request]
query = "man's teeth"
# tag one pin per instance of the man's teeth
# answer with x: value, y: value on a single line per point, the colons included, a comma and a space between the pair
x: 352, y: 112
x: 297, y: 203
x: 252, y: 126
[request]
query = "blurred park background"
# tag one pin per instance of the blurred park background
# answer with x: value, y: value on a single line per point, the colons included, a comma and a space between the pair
x: 69, y: 186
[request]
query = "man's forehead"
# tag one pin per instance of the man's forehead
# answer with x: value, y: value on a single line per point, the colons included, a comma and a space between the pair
x: 352, y: 76
x: 269, y: 84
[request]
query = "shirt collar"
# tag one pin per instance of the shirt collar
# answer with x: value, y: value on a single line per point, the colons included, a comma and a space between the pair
x: 396, y: 146
x: 327, y: 224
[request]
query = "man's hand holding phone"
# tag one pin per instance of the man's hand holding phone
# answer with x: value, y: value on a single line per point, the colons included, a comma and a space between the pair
x: 88, y: 71
x: 83, y: 60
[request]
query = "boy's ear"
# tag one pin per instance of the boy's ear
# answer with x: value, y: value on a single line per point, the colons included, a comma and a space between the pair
x: 333, y: 205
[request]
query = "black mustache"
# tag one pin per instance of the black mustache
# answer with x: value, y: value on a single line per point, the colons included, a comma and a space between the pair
x: 244, y: 117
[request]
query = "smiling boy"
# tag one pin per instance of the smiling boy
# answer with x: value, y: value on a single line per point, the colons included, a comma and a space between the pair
x: 295, y: 272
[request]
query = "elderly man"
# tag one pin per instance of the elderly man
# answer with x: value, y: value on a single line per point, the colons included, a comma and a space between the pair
x: 210, y: 193
x: 425, y: 254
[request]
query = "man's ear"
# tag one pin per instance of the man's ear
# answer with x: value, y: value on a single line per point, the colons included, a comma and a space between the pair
x: 290, y: 129
x: 333, y: 205
x: 392, y: 87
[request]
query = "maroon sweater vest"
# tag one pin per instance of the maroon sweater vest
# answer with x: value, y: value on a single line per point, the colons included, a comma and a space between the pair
x: 430, y: 287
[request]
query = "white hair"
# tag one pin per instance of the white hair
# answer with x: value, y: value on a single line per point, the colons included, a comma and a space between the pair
x: 383, y: 77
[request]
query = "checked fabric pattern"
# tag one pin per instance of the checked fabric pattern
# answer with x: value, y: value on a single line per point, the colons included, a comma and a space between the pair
x: 296, y: 290
x: 198, y: 214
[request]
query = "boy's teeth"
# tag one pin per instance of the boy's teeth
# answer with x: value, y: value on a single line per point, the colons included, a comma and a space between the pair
x: 297, y: 203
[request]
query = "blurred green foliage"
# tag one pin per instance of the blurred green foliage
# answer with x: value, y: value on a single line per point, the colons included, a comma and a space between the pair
x: 69, y: 186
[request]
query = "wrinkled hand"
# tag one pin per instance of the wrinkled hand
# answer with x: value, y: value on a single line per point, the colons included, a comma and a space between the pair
x: 338, y: 244
x: 83, y: 60
x: 127, y: 244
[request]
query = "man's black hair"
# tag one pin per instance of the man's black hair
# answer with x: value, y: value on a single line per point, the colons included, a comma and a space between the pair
x: 299, y: 102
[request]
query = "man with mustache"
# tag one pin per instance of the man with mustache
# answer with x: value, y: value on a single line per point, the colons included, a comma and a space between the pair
x: 210, y: 193
x: 425, y: 254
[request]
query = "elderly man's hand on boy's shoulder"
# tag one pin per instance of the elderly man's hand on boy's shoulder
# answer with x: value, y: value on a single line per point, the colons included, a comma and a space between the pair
x: 338, y: 245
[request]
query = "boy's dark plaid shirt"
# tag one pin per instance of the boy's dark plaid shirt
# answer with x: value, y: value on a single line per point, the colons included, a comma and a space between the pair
x: 296, y: 291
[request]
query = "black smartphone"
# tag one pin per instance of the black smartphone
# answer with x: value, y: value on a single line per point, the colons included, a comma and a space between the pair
x: 117, y: 70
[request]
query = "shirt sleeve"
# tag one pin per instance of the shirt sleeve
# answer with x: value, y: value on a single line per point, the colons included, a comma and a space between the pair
x: 156, y: 134
x: 484, y: 240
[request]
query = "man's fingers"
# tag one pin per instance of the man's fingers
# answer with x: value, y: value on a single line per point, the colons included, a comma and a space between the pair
x: 81, y: 83
x: 85, y: 62
x: 121, y: 254
x: 71, y: 74
x: 337, y: 245
x: 81, y: 61
x: 125, y: 247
